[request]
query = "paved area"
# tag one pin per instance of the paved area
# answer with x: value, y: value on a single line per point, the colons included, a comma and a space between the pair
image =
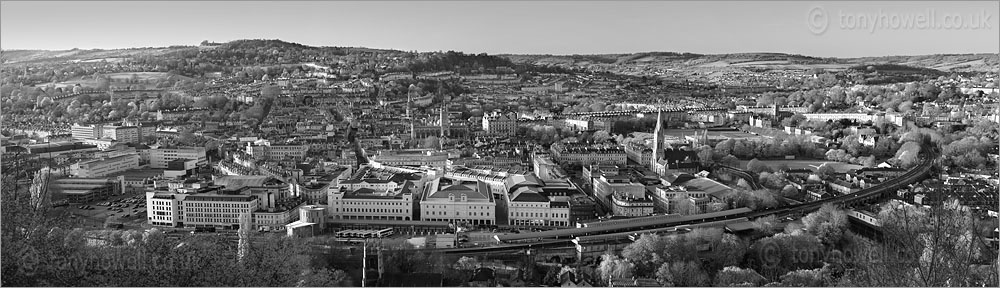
x: 94, y: 215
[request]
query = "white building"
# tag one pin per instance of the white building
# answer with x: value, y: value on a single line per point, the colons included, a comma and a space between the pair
x: 208, y: 209
x: 608, y: 185
x: 546, y: 168
x: 86, y: 131
x: 452, y: 200
x: 220, y: 204
x: 531, y: 204
x: 267, y: 151
x: 591, y: 155
x: 101, y: 143
x: 158, y: 158
x: 124, y: 134
x: 375, y: 194
x: 103, y: 167
x: 500, y: 123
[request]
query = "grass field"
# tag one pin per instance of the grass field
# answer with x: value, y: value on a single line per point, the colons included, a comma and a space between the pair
x: 807, y: 164
x: 90, y: 82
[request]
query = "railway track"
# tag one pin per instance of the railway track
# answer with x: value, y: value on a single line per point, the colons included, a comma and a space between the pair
x: 742, y: 174
x: 549, y: 238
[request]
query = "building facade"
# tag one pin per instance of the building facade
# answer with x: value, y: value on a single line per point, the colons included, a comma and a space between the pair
x: 376, y: 193
x: 104, y: 167
x: 500, y: 123
x: 159, y: 158
x: 266, y: 151
x: 606, y: 186
x: 456, y: 201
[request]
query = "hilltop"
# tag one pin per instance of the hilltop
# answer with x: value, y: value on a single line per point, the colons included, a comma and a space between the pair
x: 667, y: 62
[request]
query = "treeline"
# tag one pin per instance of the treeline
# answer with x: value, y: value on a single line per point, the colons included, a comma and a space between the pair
x: 922, y: 247
x: 476, y: 63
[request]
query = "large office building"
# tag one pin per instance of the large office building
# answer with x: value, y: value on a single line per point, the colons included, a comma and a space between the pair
x: 631, y: 205
x: 159, y: 158
x: 452, y: 200
x: 500, y: 123
x: 81, y: 132
x: 55, y: 149
x: 581, y: 155
x: 124, y: 134
x: 606, y: 186
x: 207, y: 206
x: 103, y: 167
x: 317, y: 188
x: 532, y: 202
x: 376, y: 194
x: 667, y: 198
x: 220, y: 203
x: 85, y: 190
x: 267, y: 151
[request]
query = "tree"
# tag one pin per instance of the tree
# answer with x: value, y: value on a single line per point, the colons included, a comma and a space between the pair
x: 645, y: 253
x: 736, y: 276
x: 778, y: 254
x: 744, y: 148
x: 829, y: 224
x: 825, y: 170
x: 908, y: 154
x: 614, y: 267
x: 730, y: 160
x: 601, y: 136
x: 687, y: 274
x: 805, y: 278
x: 923, y: 246
x: 772, y: 180
x: 466, y: 263
x: 725, y: 147
x: 325, y: 278
x: 789, y: 191
x: 706, y: 155
x: 727, y: 250
x: 552, y: 276
x: 757, y: 166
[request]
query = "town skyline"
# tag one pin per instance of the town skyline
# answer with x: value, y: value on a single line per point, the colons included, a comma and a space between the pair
x: 499, y: 144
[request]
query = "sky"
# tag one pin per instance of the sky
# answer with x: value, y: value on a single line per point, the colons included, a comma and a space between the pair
x: 824, y: 29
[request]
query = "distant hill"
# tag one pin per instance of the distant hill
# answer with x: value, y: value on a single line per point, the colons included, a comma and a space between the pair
x: 897, y: 69
x: 778, y: 61
x: 242, y: 47
x: 277, y: 51
x: 40, y: 56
